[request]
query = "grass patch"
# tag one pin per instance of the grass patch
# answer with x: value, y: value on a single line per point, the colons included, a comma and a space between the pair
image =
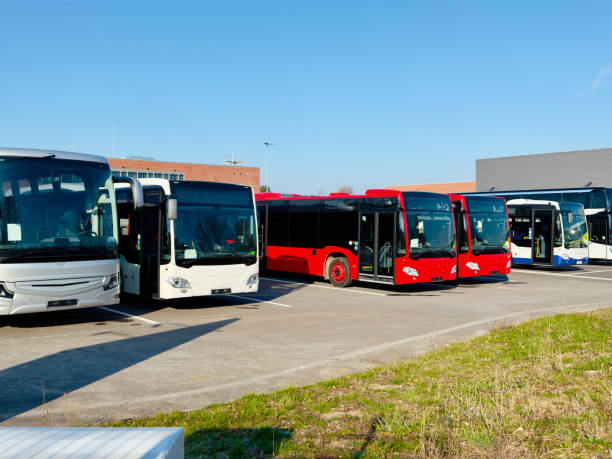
x: 542, y: 388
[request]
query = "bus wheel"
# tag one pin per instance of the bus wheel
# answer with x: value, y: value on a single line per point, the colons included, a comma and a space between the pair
x: 339, y: 272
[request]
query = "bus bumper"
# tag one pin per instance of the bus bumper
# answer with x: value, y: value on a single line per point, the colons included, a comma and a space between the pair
x: 209, y: 280
x: 484, y: 265
x: 44, y: 287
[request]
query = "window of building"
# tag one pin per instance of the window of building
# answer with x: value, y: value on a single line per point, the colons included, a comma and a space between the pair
x: 149, y: 174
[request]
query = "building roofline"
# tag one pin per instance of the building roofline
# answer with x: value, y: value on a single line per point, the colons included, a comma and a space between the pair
x: 593, y: 150
x: 177, y: 162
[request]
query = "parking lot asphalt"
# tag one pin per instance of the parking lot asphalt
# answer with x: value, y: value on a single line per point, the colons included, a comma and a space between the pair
x: 140, y: 357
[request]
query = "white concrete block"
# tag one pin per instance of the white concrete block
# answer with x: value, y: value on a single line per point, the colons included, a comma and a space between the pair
x: 92, y: 442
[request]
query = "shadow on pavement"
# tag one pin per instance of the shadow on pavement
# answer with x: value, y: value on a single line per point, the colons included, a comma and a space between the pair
x: 421, y: 289
x: 31, y: 384
x: 60, y: 318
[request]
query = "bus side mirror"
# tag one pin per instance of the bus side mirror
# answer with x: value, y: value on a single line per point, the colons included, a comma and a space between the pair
x: 136, y: 186
x: 171, y: 208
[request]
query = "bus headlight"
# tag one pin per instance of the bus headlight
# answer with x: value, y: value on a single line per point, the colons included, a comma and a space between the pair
x: 454, y: 270
x: 509, y: 265
x: 410, y: 271
x: 112, y: 283
x: 5, y: 292
x: 179, y: 282
x: 473, y: 266
x: 252, y: 280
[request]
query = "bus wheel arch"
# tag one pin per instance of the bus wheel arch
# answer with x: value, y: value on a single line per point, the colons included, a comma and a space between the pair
x: 338, y: 270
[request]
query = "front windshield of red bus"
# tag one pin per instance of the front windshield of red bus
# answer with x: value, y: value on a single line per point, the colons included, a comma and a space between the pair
x: 431, y: 233
x: 489, y: 232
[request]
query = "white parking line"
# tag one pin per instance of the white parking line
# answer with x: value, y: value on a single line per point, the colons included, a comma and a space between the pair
x: 345, y: 290
x: 565, y: 275
x: 261, y: 301
x: 360, y: 353
x: 595, y: 271
x: 121, y: 313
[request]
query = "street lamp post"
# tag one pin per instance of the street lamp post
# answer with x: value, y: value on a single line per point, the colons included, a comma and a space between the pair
x: 268, y: 145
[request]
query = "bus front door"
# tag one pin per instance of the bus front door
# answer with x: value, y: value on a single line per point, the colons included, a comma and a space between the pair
x: 543, y: 236
x: 151, y: 242
x: 377, y: 245
x: 598, y: 235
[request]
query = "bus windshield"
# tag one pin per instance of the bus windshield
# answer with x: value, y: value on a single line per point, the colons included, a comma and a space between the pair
x: 55, y: 210
x: 215, y: 225
x: 575, y: 230
x: 430, y: 226
x: 489, y: 232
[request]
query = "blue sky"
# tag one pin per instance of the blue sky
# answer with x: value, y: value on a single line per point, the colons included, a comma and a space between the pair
x: 366, y: 94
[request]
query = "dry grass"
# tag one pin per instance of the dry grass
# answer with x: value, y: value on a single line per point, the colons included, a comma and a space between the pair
x: 540, y: 389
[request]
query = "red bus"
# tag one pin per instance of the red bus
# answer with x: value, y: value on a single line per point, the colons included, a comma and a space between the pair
x: 483, y: 235
x: 383, y: 236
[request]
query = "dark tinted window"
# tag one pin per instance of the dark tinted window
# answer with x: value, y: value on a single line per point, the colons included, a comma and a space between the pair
x: 461, y: 227
x: 598, y: 199
x: 278, y: 223
x: 609, y: 198
x: 217, y: 195
x: 129, y: 226
x: 520, y: 225
x: 400, y: 250
x: 304, y: 223
x: 598, y: 229
x: 261, y: 225
x: 580, y: 198
x: 338, y: 223
x: 486, y: 205
x: 432, y: 203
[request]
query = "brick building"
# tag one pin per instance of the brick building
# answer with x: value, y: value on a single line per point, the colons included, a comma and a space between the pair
x: 142, y: 168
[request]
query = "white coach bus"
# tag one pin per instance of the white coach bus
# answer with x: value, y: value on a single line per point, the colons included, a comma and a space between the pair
x: 190, y: 239
x: 58, y: 233
x: 548, y: 233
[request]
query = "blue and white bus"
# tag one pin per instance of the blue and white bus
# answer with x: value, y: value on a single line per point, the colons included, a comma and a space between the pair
x: 547, y: 233
x: 597, y: 202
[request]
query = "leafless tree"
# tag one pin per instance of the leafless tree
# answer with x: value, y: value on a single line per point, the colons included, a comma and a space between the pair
x: 346, y: 189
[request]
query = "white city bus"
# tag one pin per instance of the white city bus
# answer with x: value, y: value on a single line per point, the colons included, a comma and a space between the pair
x: 548, y: 232
x: 58, y: 237
x: 189, y: 239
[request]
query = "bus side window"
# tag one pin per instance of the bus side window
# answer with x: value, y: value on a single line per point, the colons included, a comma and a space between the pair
x: 465, y: 244
x: 400, y: 248
x: 520, y: 228
x: 558, y: 230
x: 597, y: 231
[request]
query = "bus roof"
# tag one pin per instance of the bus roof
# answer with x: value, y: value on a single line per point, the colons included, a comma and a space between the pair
x: 36, y: 153
x: 536, y: 191
x: 376, y: 193
x: 532, y: 202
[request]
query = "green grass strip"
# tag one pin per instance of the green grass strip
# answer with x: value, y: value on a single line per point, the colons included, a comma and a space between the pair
x: 539, y: 389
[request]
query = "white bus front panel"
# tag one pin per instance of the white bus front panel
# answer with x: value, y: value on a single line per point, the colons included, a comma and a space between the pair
x: 204, y: 280
x: 50, y: 286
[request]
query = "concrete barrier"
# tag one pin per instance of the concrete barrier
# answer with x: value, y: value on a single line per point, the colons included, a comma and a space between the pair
x: 91, y: 442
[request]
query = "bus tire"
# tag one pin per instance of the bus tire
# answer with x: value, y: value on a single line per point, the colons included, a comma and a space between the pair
x: 339, y: 272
